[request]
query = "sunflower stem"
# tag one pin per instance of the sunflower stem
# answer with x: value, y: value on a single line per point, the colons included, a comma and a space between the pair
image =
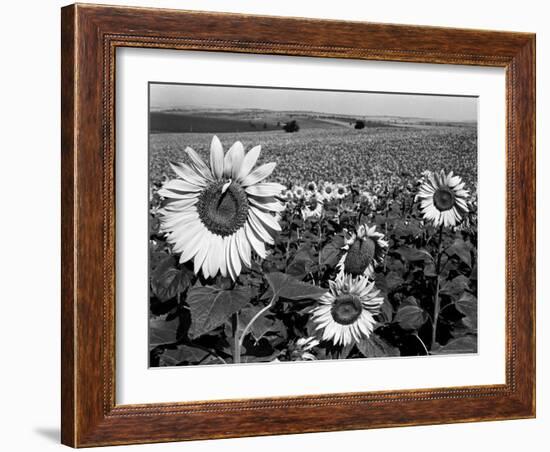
x: 386, y: 234
x: 437, y: 304
x: 236, y: 347
x: 239, y: 341
x: 319, y: 243
x: 287, y: 254
x: 423, y: 344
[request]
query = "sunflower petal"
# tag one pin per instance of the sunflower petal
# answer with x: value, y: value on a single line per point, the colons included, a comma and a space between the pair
x: 212, y: 257
x: 227, y: 256
x: 170, y: 194
x: 233, y: 160
x: 249, y: 161
x: 267, y: 204
x: 259, y: 174
x: 198, y: 163
x: 266, y: 218
x: 268, y: 189
x: 235, y: 260
x: 255, y: 242
x: 258, y: 227
x: 219, y: 260
x: 188, y: 174
x: 202, y: 252
x: 177, y: 185
x: 216, y: 157
x: 243, y: 246
x: 193, y: 246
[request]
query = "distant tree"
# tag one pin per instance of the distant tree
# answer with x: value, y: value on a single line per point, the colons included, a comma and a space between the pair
x: 265, y: 125
x: 360, y: 124
x: 291, y: 126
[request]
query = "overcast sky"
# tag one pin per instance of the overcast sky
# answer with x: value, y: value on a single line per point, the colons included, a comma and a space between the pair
x: 448, y: 108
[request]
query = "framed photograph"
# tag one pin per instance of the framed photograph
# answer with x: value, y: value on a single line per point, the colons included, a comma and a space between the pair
x: 282, y: 225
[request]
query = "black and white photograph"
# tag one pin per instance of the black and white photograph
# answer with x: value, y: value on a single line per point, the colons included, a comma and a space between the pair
x: 302, y: 225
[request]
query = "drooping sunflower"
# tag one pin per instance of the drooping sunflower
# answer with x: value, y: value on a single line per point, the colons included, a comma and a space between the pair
x: 345, y: 314
x: 443, y: 199
x: 313, y: 207
x: 218, y: 214
x: 363, y: 249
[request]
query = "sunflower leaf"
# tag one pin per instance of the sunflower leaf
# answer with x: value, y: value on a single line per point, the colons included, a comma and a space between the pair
x: 167, y: 279
x: 162, y: 332
x: 392, y: 281
x: 414, y: 254
x: 467, y: 306
x: 461, y: 249
x: 210, y: 307
x: 289, y: 288
x: 464, y: 344
x: 376, y: 347
x: 302, y: 262
x: 263, y: 324
x: 183, y: 354
x: 410, y: 317
x: 331, y: 252
x: 455, y: 287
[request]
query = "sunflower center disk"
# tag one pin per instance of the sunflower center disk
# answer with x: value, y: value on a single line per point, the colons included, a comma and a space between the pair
x: 444, y: 199
x: 346, y: 309
x: 223, y: 213
x: 359, y: 257
x: 312, y: 204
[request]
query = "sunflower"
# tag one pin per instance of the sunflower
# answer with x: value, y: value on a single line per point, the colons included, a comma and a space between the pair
x: 341, y: 191
x: 288, y: 195
x: 218, y: 214
x: 299, y: 192
x: 328, y: 190
x: 311, y: 187
x: 443, y: 199
x: 364, y: 249
x: 370, y: 199
x: 345, y: 314
x: 302, y: 347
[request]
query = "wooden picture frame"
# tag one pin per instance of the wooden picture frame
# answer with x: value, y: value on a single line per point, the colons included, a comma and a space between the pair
x: 90, y: 37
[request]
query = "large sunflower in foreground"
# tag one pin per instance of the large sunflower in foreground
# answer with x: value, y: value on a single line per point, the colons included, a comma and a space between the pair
x: 443, y: 199
x: 345, y: 314
x: 218, y: 214
x: 363, y: 249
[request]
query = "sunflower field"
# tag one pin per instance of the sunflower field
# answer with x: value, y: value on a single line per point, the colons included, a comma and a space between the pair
x: 325, y: 244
